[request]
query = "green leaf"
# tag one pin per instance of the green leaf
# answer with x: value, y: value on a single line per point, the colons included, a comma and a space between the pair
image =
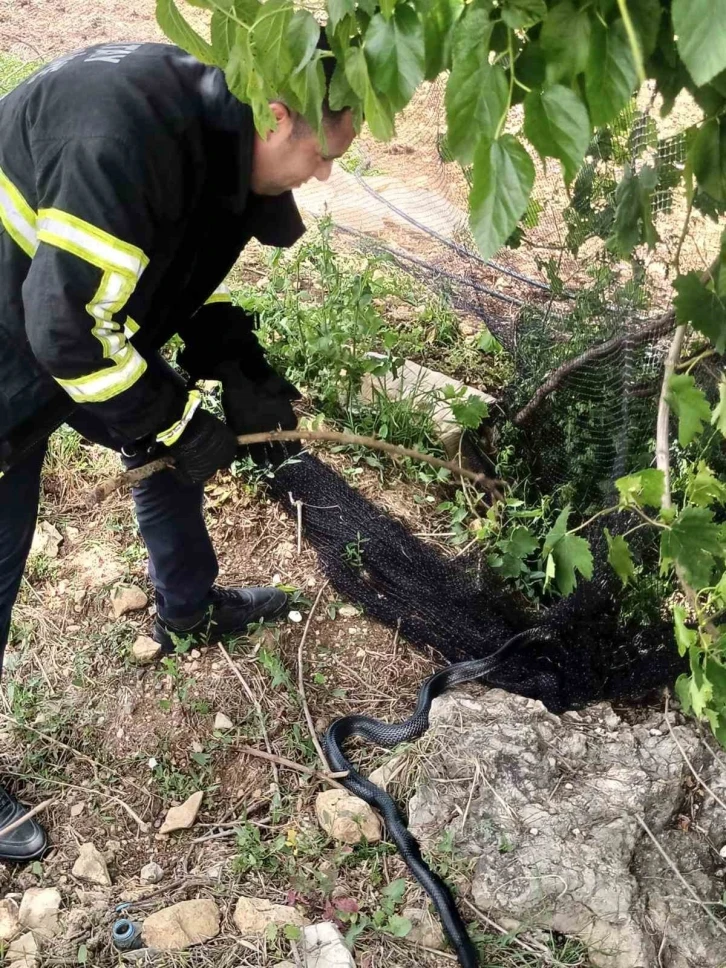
x: 521, y: 542
x: 503, y: 180
x: 223, y: 25
x: 338, y: 9
x: 690, y: 405
x: 439, y: 21
x: 699, y: 305
x: 82, y: 956
x: 476, y: 92
x: 619, y: 557
x: 642, y: 489
x: 182, y: 33
x: 646, y: 16
x: 519, y: 14
x: 398, y: 926
x: 378, y: 112
x: 569, y: 553
x: 633, y: 223
x: 705, y: 488
x: 270, y: 31
x: 303, y: 33
x: 340, y: 93
x: 694, y: 543
x: 718, y: 417
x: 244, y: 81
x: 565, y: 39
x: 557, y: 124
x: 396, y: 890
x: 395, y: 52
x: 308, y: 85
x: 707, y: 158
x: 469, y: 412
x: 700, y: 27
x: 611, y: 75
x: 685, y: 637
x: 387, y: 8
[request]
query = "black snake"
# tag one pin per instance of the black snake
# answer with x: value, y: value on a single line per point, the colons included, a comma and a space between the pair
x: 391, y: 734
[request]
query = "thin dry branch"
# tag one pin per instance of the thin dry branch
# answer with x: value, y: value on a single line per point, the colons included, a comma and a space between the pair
x: 301, y: 682
x: 138, y: 474
x: 9, y: 828
x: 331, y: 778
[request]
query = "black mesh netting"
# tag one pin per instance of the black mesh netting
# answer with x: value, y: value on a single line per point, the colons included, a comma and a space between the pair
x: 458, y: 607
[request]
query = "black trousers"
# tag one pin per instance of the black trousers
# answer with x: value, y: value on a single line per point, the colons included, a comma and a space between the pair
x: 182, y: 562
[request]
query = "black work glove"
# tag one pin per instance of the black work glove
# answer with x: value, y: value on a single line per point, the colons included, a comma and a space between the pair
x: 206, y: 445
x: 219, y: 333
x: 257, y: 406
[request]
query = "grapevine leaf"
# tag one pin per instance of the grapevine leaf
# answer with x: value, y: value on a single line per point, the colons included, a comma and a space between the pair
x: 179, y: 32
x: 569, y: 552
x: 633, y: 224
x: 707, y: 158
x: 700, y: 26
x: 519, y: 14
x: 646, y: 16
x: 718, y: 417
x: 378, y: 112
x: 705, y: 488
x: 557, y: 531
x: 557, y: 124
x: 685, y: 637
x: 619, y: 557
x: 565, y: 39
x: 395, y: 52
x: 699, y: 305
x: 469, y: 412
x: 522, y: 542
x: 644, y: 488
x: 338, y: 9
x: 303, y: 33
x: 270, y: 36
x: 611, y: 75
x: 693, y: 542
x: 690, y: 405
x: 476, y: 92
x: 503, y: 179
x: 439, y: 22
x: 700, y: 687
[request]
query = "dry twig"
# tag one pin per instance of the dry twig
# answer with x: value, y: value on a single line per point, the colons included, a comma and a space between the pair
x: 301, y: 682
x: 331, y: 778
x: 9, y: 828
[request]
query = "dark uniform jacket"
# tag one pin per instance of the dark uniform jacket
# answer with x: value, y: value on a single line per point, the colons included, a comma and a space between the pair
x: 124, y: 202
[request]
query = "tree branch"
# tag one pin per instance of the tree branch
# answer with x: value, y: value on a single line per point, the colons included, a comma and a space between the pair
x: 134, y: 477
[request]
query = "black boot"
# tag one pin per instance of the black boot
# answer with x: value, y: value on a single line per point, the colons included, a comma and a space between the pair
x: 28, y: 841
x: 230, y: 611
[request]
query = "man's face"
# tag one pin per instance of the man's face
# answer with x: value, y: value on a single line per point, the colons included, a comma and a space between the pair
x: 292, y: 154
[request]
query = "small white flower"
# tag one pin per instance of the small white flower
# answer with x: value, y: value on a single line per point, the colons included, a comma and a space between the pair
x: 295, y: 617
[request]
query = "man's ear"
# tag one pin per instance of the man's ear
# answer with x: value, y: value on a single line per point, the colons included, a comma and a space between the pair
x: 283, y: 117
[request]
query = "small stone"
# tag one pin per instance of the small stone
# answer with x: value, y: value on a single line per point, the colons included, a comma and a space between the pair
x: 424, y: 931
x: 182, y: 925
x: 46, y: 540
x: 722, y: 852
x: 295, y: 617
x: 534, y: 831
x: 254, y: 915
x: 346, y: 818
x: 183, y: 817
x: 127, y: 598
x: 195, y: 654
x: 284, y: 964
x: 91, y: 866
x: 348, y: 611
x: 145, y: 650
x: 22, y: 952
x: 197, y: 747
x: 39, y: 911
x: 383, y: 776
x: 611, y: 720
x: 323, y: 947
x: 656, y: 732
x: 223, y: 722
x: 151, y: 873
x: 9, y: 921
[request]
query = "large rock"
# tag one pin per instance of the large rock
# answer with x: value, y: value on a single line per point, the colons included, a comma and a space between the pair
x: 554, y: 828
x: 184, y: 816
x: 324, y: 947
x: 127, y: 598
x: 347, y: 818
x: 145, y: 650
x: 91, y: 866
x: 9, y: 921
x: 182, y: 925
x: 254, y: 915
x: 39, y: 911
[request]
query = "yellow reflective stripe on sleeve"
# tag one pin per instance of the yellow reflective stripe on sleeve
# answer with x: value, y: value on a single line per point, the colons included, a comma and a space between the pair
x: 121, y: 265
x: 220, y: 295
x: 130, y: 327
x: 17, y: 217
x: 104, y: 384
x: 174, y: 432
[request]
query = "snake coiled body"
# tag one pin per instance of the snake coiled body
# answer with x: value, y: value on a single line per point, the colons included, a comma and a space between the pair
x: 391, y: 734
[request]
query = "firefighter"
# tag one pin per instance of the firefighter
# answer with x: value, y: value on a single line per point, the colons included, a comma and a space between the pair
x: 130, y: 181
